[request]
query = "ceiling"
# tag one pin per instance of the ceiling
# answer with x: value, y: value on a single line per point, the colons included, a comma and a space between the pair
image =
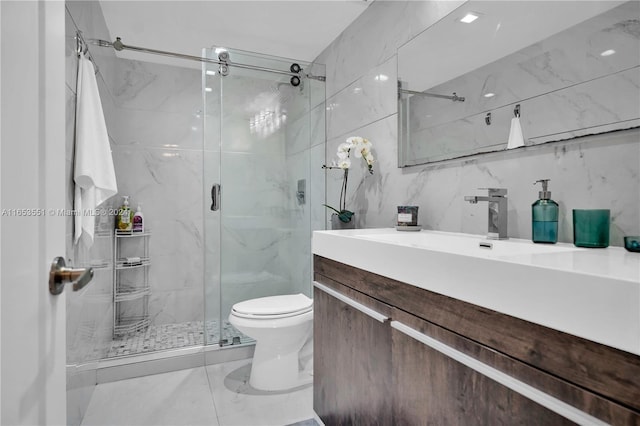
x: 295, y: 29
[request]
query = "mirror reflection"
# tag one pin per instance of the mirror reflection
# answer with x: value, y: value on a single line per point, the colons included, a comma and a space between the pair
x: 519, y: 73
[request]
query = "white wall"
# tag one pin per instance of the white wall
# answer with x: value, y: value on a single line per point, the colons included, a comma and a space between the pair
x: 594, y: 172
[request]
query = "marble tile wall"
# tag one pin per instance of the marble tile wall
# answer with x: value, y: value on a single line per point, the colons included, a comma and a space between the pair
x: 305, y: 139
x: 156, y: 133
x: 593, y: 172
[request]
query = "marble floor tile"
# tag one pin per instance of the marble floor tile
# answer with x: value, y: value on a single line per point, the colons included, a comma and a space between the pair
x: 176, y: 398
x: 237, y: 403
x: 216, y: 395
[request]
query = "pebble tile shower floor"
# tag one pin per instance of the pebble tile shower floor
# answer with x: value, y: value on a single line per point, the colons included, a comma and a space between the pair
x: 173, y: 336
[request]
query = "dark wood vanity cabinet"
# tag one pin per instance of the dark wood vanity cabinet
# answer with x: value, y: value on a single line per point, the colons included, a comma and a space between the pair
x: 435, y: 360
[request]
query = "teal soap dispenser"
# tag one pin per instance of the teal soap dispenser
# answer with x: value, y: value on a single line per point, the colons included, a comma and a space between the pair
x: 544, y: 216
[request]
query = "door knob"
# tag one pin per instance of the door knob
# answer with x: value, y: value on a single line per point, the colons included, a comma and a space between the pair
x: 59, y: 275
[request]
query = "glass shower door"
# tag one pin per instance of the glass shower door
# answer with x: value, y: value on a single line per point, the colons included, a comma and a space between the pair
x: 257, y: 145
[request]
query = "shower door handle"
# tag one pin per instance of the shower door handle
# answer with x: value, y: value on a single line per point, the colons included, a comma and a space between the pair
x: 215, y: 197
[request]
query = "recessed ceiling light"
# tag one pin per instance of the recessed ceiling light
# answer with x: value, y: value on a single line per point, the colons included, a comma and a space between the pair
x: 489, y: 95
x: 608, y: 52
x: 208, y: 89
x: 211, y: 72
x: 382, y: 77
x: 469, y: 18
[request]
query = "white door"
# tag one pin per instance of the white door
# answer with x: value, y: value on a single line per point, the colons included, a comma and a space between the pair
x: 32, y: 182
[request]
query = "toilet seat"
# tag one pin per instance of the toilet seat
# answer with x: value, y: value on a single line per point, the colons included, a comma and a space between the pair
x: 273, y: 307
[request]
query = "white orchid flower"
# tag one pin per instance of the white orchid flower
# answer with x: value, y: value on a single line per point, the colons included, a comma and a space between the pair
x: 344, y: 163
x: 369, y: 158
x: 354, y: 140
x: 344, y: 147
x: 363, y: 150
x: 361, y: 147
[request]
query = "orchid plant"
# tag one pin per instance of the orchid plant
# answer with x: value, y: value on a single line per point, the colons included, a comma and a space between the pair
x: 361, y: 148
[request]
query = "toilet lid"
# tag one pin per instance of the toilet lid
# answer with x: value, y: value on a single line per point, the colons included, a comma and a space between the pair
x: 274, y: 305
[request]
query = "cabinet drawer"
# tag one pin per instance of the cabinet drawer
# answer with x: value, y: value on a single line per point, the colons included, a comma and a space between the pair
x: 440, y: 377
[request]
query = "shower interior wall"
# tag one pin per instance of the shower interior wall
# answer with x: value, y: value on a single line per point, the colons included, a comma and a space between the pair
x: 157, y: 125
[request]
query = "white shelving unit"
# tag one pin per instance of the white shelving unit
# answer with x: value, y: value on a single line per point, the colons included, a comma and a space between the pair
x: 100, y: 255
x: 130, y: 295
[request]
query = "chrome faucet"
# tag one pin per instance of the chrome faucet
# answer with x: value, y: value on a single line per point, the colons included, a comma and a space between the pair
x: 497, y: 211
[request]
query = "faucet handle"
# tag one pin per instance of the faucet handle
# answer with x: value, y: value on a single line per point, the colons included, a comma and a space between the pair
x: 496, y: 192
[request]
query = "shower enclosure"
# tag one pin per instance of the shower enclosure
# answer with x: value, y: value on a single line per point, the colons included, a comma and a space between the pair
x: 219, y: 157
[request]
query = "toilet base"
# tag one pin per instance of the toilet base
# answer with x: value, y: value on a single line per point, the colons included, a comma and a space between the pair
x: 280, y: 337
x: 275, y: 372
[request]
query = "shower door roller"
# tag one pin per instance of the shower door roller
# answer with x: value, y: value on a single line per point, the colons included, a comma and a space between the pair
x: 59, y: 275
x: 223, y: 57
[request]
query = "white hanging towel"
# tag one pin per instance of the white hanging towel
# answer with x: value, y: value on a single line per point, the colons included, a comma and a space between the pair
x: 94, y: 174
x: 515, y: 134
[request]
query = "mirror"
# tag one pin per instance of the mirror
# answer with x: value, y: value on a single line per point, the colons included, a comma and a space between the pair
x: 572, y: 68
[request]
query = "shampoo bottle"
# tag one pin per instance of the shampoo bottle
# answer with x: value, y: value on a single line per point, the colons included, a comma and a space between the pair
x: 124, y: 216
x: 544, y: 216
x: 138, y: 220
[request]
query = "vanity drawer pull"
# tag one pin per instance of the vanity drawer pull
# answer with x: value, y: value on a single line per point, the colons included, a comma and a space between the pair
x: 544, y: 399
x: 356, y: 305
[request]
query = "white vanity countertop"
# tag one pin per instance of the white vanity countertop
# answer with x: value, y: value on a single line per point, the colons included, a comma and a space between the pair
x: 591, y: 293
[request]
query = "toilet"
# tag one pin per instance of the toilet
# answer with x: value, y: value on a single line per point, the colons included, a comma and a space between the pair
x: 281, y: 326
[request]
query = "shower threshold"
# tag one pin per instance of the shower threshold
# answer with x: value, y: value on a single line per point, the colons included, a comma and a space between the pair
x: 163, y: 361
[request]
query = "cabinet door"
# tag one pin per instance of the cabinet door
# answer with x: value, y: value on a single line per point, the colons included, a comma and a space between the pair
x: 352, y: 361
x: 439, y: 385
